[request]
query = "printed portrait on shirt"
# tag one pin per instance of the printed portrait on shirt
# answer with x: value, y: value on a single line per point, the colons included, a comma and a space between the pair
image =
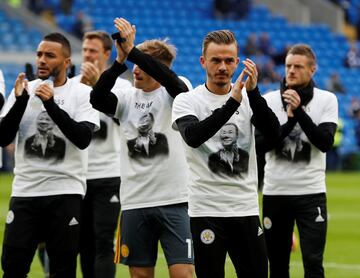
x: 44, y: 143
x: 230, y: 159
x: 293, y: 148
x: 148, y: 143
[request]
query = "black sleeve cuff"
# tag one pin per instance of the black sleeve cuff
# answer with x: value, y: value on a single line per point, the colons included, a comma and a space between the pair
x: 117, y: 68
x: 134, y: 52
x: 253, y: 94
x: 299, y: 112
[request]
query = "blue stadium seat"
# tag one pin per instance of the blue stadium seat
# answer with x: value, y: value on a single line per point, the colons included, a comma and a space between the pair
x: 186, y: 23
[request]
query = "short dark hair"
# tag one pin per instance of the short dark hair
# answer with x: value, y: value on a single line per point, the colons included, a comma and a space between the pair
x: 100, y: 35
x: 219, y: 37
x: 59, y: 38
x: 304, y: 50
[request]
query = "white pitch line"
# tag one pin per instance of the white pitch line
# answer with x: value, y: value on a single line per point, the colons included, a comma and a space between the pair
x: 332, y: 265
x: 299, y: 264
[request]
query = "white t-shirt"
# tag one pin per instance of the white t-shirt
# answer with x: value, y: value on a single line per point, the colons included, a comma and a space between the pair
x: 223, y: 170
x: 298, y: 167
x: 46, y: 162
x: 153, y: 166
x: 2, y: 91
x: 104, y: 149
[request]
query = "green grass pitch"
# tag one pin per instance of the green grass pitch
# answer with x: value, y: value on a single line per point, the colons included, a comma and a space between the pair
x: 342, y: 254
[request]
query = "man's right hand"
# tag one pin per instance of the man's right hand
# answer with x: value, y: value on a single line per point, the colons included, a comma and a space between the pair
x: 20, y: 84
x: 238, y: 86
x: 128, y: 32
x: 90, y: 73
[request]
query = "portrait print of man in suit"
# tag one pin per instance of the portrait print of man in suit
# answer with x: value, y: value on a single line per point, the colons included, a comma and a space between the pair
x: 294, y: 148
x: 45, y: 144
x: 230, y: 160
x: 148, y: 143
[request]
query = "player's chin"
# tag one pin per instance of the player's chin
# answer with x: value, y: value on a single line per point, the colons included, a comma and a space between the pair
x: 43, y: 76
x: 292, y: 83
x: 222, y: 81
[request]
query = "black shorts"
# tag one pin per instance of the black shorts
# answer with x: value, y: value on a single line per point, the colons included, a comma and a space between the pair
x: 31, y: 220
x: 141, y: 230
x: 241, y: 237
x: 54, y: 220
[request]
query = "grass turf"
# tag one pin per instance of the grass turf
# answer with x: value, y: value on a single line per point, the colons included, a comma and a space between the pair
x: 343, y: 241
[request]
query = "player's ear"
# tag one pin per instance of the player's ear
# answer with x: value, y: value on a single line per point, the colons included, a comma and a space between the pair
x: 67, y: 62
x: 202, y: 62
x: 107, y: 54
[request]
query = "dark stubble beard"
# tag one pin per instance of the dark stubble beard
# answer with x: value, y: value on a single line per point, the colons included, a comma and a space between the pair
x: 54, y: 73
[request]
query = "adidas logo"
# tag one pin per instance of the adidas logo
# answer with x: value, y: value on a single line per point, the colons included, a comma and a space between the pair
x: 260, y: 231
x: 73, y: 222
x: 319, y: 218
x: 114, y: 199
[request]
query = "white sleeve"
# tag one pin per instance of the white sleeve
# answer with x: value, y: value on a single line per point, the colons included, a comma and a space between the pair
x: 122, y: 99
x: 84, y: 110
x: 187, y: 82
x: 2, y: 84
x: 181, y: 107
x: 8, y: 104
x: 330, y: 112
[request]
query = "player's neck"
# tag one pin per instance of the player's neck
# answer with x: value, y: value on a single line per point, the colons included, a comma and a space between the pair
x: 218, y: 89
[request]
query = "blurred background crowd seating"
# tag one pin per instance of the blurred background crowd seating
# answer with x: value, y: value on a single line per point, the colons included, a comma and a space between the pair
x: 264, y: 32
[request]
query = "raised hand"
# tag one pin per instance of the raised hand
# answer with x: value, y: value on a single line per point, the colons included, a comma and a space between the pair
x: 20, y: 84
x: 127, y: 32
x: 251, y: 70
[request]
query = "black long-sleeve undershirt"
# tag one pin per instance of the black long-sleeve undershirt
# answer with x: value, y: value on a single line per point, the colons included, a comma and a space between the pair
x: 321, y: 136
x: 101, y: 96
x: 105, y: 101
x: 195, y: 132
x: 264, y: 145
x: 2, y: 101
x: 9, y: 125
x: 79, y: 133
x: 159, y: 71
x: 263, y: 118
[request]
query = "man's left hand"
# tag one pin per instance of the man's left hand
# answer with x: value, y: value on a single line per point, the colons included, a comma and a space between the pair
x: 44, y: 92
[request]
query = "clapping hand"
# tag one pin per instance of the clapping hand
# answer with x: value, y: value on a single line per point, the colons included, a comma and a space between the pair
x: 21, y: 84
x: 251, y: 70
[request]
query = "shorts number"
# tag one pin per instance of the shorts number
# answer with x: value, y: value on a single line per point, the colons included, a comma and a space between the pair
x: 188, y: 241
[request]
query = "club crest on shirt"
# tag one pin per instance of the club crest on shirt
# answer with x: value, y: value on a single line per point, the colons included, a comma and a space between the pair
x: 207, y: 236
x: 124, y: 251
